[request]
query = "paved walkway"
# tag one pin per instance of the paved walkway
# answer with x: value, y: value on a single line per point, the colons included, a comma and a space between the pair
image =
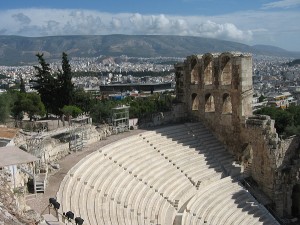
x: 51, y: 220
x: 40, y: 203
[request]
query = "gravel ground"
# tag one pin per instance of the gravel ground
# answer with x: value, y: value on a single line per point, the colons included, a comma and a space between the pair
x: 40, y: 203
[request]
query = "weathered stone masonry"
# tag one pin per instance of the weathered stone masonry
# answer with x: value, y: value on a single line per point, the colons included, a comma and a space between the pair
x: 217, y: 90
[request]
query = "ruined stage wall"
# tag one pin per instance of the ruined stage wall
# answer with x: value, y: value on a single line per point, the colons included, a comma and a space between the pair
x: 217, y: 90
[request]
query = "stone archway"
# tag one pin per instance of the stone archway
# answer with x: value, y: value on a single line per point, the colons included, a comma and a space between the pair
x: 195, y: 102
x: 209, y: 103
x: 194, y: 71
x: 208, y: 72
x: 226, y: 70
x: 227, y: 105
x: 296, y: 201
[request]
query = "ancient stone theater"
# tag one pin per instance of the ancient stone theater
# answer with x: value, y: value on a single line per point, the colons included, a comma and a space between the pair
x: 219, y: 164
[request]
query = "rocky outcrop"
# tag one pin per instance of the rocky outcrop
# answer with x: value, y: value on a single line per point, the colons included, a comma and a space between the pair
x: 13, y: 210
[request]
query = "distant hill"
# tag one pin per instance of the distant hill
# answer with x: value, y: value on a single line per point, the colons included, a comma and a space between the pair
x: 272, y: 50
x: 17, y: 50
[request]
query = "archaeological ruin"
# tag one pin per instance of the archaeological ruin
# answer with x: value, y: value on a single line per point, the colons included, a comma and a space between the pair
x: 216, y: 89
x: 209, y: 161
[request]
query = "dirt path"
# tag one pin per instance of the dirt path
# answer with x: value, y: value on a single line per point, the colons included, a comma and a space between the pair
x: 40, y: 203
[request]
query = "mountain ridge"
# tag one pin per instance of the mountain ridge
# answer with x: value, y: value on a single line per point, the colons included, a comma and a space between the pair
x: 19, y: 50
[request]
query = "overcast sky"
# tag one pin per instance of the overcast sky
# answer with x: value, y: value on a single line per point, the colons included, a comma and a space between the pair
x: 246, y: 21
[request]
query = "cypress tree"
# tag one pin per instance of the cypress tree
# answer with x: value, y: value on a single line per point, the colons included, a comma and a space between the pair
x: 66, y: 86
x: 22, y: 86
x: 46, y: 85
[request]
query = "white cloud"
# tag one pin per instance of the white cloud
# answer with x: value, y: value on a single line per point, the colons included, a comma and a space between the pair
x: 279, y: 28
x: 39, y: 22
x: 116, y: 23
x: 20, y: 17
x: 248, y: 27
x: 159, y: 24
x: 226, y: 30
x: 282, y: 4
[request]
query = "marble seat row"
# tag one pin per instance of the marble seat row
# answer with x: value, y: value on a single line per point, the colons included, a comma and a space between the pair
x: 225, y: 202
x: 205, y: 141
x: 188, y: 160
x: 190, y: 163
x: 212, y: 145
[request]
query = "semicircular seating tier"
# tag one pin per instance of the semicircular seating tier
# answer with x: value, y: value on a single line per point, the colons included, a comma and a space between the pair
x: 173, y: 175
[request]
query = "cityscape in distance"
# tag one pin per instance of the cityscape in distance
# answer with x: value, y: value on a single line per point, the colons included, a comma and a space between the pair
x: 112, y: 59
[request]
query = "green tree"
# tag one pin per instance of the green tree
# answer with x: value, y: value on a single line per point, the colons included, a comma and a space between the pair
x: 22, y: 86
x: 5, y: 101
x: 71, y: 111
x: 29, y: 103
x: 84, y: 100
x: 64, y: 82
x: 295, y: 111
x: 270, y: 111
x: 292, y: 130
x: 18, y: 105
x: 139, y: 107
x: 46, y: 84
x: 283, y: 118
x: 101, y: 111
x: 261, y: 98
x: 34, y: 106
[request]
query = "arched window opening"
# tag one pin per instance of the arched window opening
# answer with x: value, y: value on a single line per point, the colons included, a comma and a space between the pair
x: 209, y: 103
x: 208, y: 73
x: 226, y: 71
x: 195, y: 102
x: 194, y: 72
x: 296, y: 201
x: 227, y: 105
